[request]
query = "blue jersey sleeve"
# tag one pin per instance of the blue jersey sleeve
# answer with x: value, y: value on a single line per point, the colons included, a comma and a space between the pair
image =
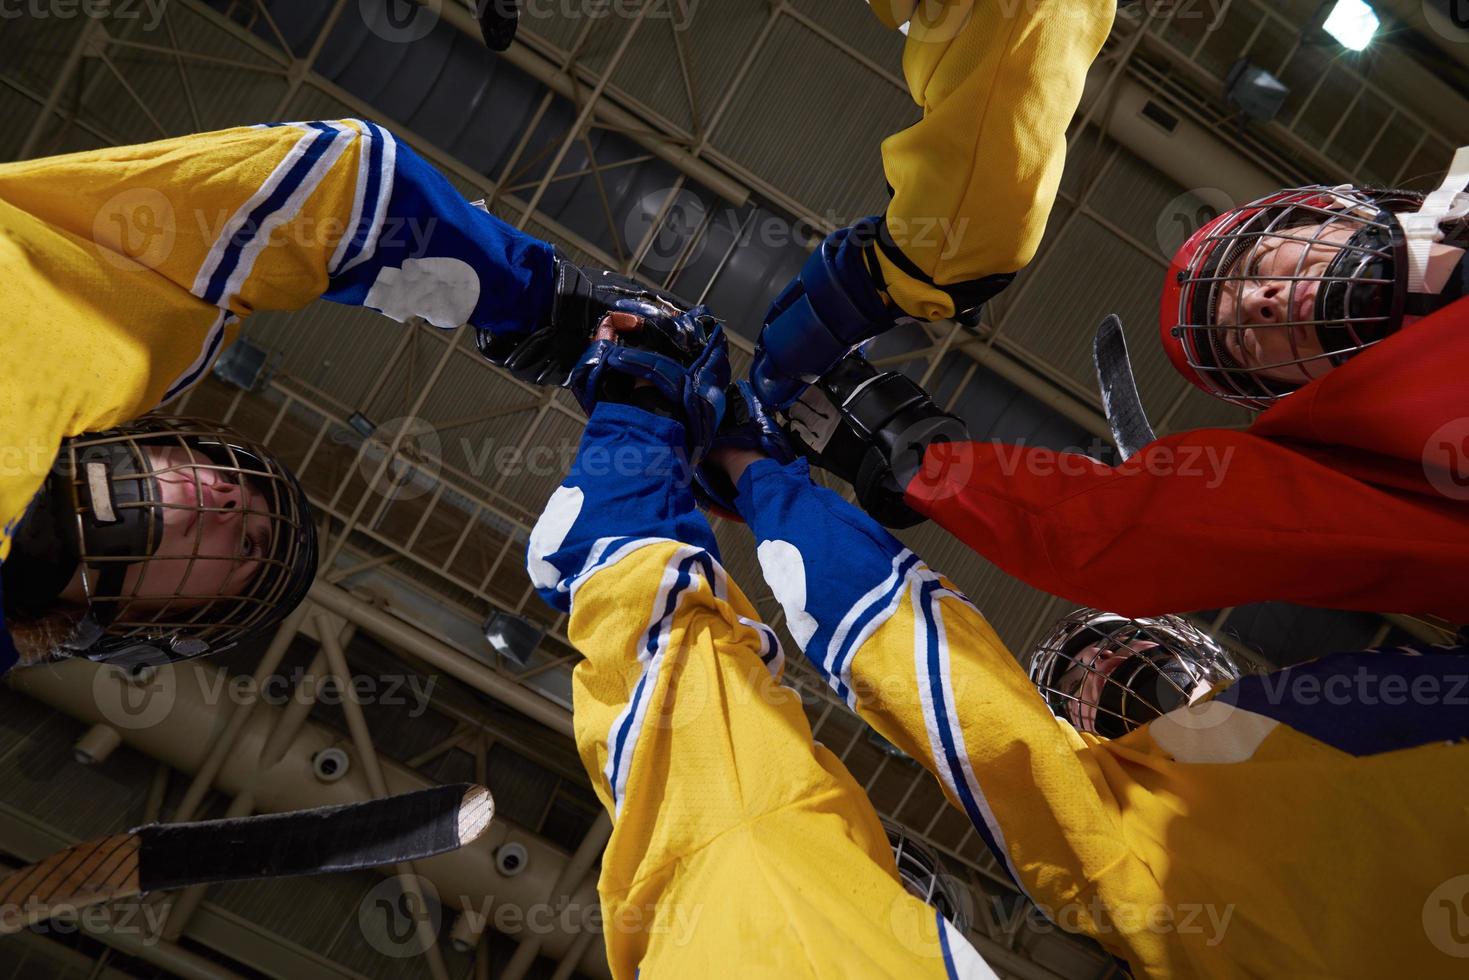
x: 418, y: 248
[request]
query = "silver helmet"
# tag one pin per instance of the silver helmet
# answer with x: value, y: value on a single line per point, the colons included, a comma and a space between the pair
x: 923, y: 876
x: 1107, y: 674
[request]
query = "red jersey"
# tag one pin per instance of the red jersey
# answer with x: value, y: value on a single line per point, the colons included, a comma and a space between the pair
x: 1353, y: 493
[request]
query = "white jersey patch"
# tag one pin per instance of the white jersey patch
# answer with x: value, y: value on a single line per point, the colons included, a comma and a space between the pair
x: 785, y: 573
x: 550, y: 532
x: 443, y: 291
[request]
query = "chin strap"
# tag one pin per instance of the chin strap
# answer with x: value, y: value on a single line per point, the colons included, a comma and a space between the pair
x: 1430, y: 262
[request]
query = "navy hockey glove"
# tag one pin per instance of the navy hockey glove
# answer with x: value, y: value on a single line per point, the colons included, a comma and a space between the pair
x: 829, y: 308
x: 583, y: 297
x: 745, y: 426
x: 683, y: 359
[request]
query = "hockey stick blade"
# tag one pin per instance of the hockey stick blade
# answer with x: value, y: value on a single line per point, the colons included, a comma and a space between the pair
x: 159, y: 857
x: 1131, y: 429
x: 498, y: 21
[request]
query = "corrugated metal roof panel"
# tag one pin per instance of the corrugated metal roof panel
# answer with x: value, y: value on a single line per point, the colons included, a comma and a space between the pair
x: 803, y: 87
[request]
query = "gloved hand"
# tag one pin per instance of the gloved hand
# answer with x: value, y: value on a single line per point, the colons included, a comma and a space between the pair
x: 677, y: 366
x: 583, y: 297
x: 829, y: 308
x: 871, y: 429
x: 745, y: 426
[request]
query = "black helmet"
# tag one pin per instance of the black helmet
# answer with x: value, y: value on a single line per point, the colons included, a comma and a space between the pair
x: 130, y: 509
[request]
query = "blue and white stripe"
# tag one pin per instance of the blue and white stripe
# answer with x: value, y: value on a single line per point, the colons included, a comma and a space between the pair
x: 772, y: 655
x: 377, y: 164
x: 860, y: 622
x: 212, y: 340
x: 604, y: 553
x: 278, y: 200
x: 680, y: 572
x: 941, y: 715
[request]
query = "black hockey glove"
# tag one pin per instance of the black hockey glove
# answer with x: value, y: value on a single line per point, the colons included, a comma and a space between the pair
x: 584, y: 296
x: 871, y: 429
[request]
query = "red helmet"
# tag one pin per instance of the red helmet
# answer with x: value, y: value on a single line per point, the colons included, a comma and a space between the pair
x: 1345, y: 292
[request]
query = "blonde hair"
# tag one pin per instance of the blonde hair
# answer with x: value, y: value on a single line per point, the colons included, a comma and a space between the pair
x: 39, y: 641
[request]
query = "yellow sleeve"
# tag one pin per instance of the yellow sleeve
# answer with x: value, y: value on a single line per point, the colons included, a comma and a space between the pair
x: 914, y: 658
x: 128, y: 269
x: 935, y: 680
x: 246, y: 218
x: 974, y: 180
x: 738, y: 846
x: 736, y: 839
x: 102, y: 254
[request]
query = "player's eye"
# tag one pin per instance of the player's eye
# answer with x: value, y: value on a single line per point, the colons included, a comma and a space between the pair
x: 254, y: 545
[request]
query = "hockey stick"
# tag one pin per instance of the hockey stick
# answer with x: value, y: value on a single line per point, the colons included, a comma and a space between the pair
x: 1131, y: 429
x: 498, y: 20
x: 158, y: 857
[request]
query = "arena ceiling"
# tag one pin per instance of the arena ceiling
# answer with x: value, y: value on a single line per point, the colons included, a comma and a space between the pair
x: 704, y: 147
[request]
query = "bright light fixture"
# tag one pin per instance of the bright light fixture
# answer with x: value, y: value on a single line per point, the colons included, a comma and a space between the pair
x: 1353, y: 23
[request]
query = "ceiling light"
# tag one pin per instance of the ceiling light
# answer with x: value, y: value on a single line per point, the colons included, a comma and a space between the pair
x: 1258, y: 94
x: 513, y: 637
x: 1353, y: 23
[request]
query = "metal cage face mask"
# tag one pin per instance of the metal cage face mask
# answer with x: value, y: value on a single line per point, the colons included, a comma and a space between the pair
x: 189, y: 538
x: 923, y: 877
x: 1109, y: 675
x: 1269, y: 296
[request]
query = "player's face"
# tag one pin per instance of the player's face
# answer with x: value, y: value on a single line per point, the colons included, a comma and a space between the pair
x: 215, y: 532
x: 1270, y: 312
x: 1087, y: 678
